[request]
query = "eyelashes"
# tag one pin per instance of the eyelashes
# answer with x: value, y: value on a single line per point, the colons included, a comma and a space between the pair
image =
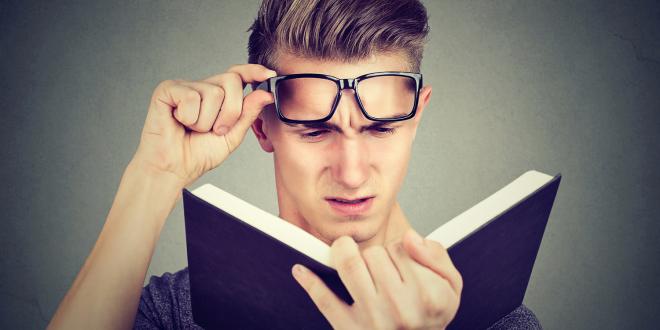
x: 387, y: 130
x: 314, y: 134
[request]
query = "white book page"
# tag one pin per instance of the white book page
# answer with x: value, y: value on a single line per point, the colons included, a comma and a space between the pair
x: 448, y: 234
x: 272, y: 225
x: 477, y: 216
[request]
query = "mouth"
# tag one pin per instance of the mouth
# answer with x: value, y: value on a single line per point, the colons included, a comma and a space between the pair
x: 346, y: 207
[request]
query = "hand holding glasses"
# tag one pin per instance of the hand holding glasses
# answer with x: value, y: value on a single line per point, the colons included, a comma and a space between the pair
x: 312, y: 98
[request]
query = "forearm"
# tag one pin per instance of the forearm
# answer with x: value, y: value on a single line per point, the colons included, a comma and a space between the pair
x: 106, y: 292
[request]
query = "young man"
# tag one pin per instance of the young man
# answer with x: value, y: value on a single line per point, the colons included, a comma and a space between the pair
x: 341, y: 147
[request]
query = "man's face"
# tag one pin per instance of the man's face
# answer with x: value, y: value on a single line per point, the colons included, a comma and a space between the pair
x: 341, y: 180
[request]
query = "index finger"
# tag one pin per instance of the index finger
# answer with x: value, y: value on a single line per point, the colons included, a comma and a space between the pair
x: 249, y: 73
x: 334, y: 309
x: 346, y: 258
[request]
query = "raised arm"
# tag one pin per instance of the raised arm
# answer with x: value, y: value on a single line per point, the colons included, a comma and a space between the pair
x: 183, y: 137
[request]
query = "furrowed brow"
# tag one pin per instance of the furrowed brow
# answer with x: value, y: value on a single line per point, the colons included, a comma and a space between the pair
x: 324, y: 125
x: 333, y: 127
x: 375, y: 125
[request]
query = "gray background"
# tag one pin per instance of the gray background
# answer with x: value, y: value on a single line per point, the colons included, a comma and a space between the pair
x: 568, y: 87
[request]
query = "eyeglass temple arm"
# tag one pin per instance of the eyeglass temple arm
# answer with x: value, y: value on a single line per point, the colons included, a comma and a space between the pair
x: 264, y: 86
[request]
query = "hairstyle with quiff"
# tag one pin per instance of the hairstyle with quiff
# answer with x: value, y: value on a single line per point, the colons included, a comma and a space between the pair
x: 338, y: 30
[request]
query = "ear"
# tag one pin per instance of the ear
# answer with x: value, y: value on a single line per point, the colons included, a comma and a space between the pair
x: 423, y: 101
x: 261, y: 131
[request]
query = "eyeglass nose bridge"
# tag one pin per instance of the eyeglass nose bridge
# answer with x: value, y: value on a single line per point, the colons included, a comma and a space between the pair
x: 347, y: 84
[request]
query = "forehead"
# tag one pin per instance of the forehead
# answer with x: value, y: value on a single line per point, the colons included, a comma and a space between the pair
x: 290, y: 64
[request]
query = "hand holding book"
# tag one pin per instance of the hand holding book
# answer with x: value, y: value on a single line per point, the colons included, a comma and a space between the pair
x: 247, y: 272
x: 406, y: 284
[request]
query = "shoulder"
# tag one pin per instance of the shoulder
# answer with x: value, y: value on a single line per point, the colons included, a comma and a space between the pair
x: 165, y: 302
x: 520, y: 318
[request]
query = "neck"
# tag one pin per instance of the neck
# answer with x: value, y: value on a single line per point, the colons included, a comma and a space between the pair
x: 393, y: 230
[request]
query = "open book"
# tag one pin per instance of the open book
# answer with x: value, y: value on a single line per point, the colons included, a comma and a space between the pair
x: 240, y: 257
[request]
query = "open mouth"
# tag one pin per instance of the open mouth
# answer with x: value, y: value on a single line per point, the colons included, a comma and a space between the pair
x: 350, y: 206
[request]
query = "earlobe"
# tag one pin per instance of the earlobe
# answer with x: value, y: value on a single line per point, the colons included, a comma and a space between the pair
x: 261, y: 132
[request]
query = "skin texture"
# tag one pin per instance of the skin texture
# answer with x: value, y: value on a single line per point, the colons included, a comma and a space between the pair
x: 397, y: 279
x: 351, y: 162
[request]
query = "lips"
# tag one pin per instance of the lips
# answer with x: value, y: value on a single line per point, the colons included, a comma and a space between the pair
x: 353, y: 206
x: 349, y: 201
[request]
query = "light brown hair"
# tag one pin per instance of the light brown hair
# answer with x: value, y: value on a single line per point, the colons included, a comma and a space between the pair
x: 338, y: 30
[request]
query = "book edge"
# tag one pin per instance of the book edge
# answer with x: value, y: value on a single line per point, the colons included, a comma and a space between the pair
x: 269, y: 224
x: 297, y: 238
x: 458, y: 228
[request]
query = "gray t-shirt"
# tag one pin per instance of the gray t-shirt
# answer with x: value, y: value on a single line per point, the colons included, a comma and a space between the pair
x: 165, y: 304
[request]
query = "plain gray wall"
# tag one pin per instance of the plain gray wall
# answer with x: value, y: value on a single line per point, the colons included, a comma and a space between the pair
x: 568, y: 87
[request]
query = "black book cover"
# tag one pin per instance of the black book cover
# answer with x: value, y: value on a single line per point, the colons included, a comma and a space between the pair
x: 496, y: 261
x: 241, y: 277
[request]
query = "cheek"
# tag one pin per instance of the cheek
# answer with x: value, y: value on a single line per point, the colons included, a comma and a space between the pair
x: 391, y: 155
x: 298, y: 166
x: 391, y: 165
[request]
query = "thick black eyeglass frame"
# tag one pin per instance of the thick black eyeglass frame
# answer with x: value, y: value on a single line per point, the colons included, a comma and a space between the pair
x: 270, y: 85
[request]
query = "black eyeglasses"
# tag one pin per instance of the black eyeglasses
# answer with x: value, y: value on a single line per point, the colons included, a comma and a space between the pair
x: 312, y: 98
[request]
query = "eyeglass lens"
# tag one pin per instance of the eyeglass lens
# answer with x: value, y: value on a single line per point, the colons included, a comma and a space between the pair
x: 383, y: 97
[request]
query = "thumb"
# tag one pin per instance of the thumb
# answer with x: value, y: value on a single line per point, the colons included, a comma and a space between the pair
x: 253, y: 104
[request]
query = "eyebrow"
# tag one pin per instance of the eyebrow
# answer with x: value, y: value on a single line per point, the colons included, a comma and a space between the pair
x: 333, y: 127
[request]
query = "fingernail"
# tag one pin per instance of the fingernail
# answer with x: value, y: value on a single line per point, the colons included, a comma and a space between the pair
x: 222, y: 130
x: 272, y: 73
x: 298, y: 271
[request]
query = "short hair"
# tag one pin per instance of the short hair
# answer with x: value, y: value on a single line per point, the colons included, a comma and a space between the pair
x: 338, y: 30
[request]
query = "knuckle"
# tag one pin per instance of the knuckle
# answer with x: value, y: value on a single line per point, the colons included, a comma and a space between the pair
x: 181, y: 116
x: 216, y: 92
x: 195, y: 127
x: 321, y: 297
x: 223, y: 77
x: 232, y: 90
x: 395, y: 249
x: 230, y: 111
x: 234, y: 78
x: 161, y: 88
x: 323, y: 302
x: 341, y: 240
x: 373, y: 252
x: 459, y: 282
x: 203, y: 127
x: 231, y: 76
x: 438, y: 250
x: 229, y: 142
x: 165, y: 83
x: 191, y: 95
x: 351, y: 264
x: 377, y: 320
x: 434, y: 305
x: 343, y: 243
x: 405, y: 320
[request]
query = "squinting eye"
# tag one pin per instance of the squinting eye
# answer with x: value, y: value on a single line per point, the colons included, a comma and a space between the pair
x: 313, y: 134
x: 383, y: 130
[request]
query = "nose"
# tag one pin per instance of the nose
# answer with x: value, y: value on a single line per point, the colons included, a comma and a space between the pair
x: 350, y: 167
x: 348, y: 108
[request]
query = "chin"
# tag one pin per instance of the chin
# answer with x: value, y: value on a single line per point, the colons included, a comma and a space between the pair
x: 360, y: 231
